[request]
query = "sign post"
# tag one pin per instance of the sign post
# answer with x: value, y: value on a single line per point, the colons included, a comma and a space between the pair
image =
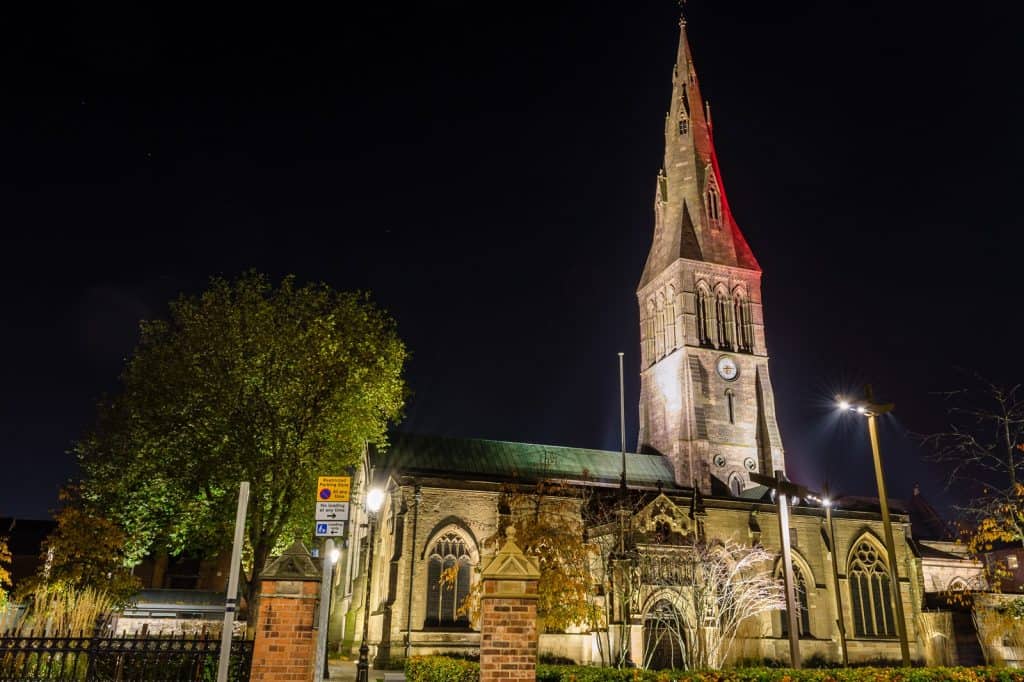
x: 332, y: 510
x: 231, y: 598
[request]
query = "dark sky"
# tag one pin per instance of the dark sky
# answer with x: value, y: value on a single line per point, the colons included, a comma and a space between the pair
x: 487, y: 171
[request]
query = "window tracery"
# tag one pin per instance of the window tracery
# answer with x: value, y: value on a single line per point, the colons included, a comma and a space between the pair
x: 870, y: 592
x: 443, y: 601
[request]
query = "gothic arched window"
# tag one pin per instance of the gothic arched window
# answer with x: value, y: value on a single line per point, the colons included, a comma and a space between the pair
x: 803, y: 620
x: 870, y: 593
x: 704, y: 315
x: 735, y: 487
x: 730, y: 404
x: 649, y: 324
x: 714, y: 205
x: 659, y: 328
x: 670, y: 320
x: 744, y: 326
x: 443, y: 601
x: 724, y: 322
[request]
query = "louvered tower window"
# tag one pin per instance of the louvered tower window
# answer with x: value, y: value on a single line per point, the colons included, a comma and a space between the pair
x: 870, y: 593
x: 744, y: 325
x: 724, y: 321
x: 704, y: 316
x: 443, y: 601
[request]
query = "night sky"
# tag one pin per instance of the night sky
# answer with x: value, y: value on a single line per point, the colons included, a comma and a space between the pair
x: 488, y: 173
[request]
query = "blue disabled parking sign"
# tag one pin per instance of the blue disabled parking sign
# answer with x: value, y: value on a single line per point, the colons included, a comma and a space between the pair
x: 330, y: 529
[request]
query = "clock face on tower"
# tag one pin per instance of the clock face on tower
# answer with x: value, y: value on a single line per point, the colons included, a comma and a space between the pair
x: 727, y: 368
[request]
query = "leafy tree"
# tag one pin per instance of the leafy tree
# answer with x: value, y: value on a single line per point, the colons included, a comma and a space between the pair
x: 548, y: 526
x: 247, y: 381
x: 984, y: 446
x: 5, y: 574
x: 84, y: 552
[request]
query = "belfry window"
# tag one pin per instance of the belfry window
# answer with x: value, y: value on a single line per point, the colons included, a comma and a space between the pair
x: 744, y: 325
x: 870, y: 593
x: 670, y: 320
x: 704, y: 316
x: 731, y: 406
x: 684, y: 124
x: 448, y: 554
x: 724, y: 320
x: 659, y: 328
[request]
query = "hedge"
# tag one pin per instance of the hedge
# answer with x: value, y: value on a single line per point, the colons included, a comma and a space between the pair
x: 440, y: 669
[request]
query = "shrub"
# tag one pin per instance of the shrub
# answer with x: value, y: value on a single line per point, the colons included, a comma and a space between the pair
x: 441, y: 669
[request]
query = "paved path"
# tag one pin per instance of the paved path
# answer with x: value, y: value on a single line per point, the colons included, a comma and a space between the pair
x: 345, y: 671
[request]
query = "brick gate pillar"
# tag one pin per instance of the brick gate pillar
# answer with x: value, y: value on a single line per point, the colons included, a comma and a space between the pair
x: 508, y: 615
x: 284, y: 646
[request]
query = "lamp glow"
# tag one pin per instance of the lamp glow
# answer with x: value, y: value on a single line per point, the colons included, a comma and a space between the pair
x: 374, y: 499
x: 844, y: 405
x: 826, y: 502
x: 335, y: 555
x: 861, y: 409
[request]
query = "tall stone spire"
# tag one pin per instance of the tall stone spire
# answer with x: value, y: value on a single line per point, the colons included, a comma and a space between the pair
x: 692, y: 216
x: 706, y: 399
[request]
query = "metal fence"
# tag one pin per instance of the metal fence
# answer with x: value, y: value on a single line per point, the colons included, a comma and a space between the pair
x: 167, y: 658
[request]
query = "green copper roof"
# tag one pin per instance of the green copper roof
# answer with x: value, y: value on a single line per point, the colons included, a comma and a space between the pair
x: 475, y: 459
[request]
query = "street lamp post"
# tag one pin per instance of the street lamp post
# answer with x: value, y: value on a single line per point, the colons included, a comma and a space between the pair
x: 374, y: 498
x: 840, y: 616
x: 786, y: 490
x: 871, y: 410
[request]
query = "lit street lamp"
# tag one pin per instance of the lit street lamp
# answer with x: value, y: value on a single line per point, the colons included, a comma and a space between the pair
x: 374, y: 499
x: 332, y: 555
x: 828, y: 503
x: 871, y: 409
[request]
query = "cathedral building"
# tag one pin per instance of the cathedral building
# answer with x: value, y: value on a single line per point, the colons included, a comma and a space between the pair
x: 707, y: 421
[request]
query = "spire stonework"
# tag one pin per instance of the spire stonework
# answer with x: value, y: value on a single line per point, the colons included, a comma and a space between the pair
x: 706, y: 399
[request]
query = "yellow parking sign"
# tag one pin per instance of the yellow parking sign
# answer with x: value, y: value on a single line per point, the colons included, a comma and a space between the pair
x: 333, y: 488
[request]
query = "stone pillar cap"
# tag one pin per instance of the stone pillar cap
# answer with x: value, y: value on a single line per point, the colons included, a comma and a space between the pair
x: 294, y: 564
x: 510, y: 563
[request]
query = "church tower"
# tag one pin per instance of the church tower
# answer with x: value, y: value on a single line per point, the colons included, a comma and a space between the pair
x: 706, y: 399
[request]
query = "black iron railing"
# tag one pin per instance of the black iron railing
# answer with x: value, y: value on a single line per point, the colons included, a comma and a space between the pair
x: 167, y: 658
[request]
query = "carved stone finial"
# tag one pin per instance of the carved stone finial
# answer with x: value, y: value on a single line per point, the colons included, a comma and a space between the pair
x: 510, y: 533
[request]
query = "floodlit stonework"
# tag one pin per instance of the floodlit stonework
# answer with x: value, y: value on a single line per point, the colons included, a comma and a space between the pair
x: 707, y: 420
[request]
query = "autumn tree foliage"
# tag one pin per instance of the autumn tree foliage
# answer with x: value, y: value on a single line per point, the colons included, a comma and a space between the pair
x: 271, y: 384
x: 84, y: 551
x: 5, y: 574
x: 984, y: 448
x: 547, y: 526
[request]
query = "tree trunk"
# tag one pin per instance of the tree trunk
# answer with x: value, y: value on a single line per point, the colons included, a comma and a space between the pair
x: 160, y: 561
x: 252, y: 583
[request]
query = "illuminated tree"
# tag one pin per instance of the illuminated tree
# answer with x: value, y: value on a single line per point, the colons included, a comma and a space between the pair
x: 548, y: 526
x: 984, y: 446
x: 84, y: 551
x: 5, y: 575
x: 247, y: 381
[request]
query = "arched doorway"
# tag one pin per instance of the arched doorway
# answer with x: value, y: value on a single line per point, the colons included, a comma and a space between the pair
x: 664, y: 637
